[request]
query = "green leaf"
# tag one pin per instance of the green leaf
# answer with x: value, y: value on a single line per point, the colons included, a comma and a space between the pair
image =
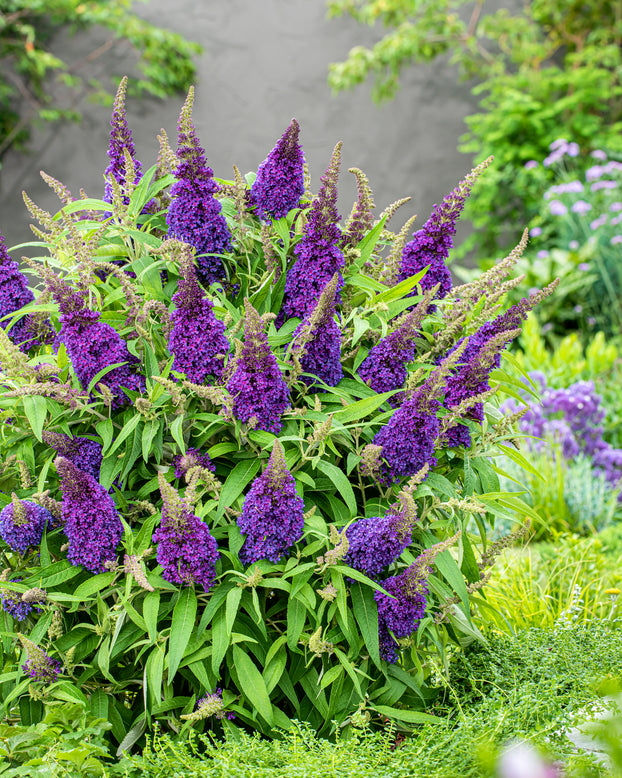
x: 36, y: 409
x: 94, y: 585
x: 362, y: 408
x: 341, y: 482
x: 366, y: 615
x: 220, y: 640
x: 178, y: 433
x: 296, y: 617
x: 347, y: 665
x: 55, y: 574
x: 184, y: 614
x: 231, y: 607
x: 127, y: 430
x: 410, y: 716
x: 252, y: 684
x: 236, y: 482
x: 151, y: 606
x: 101, y: 373
x: 105, y: 430
x: 154, y: 670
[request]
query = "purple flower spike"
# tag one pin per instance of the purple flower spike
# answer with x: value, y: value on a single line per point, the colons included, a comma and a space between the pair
x: 187, y: 550
x: 377, y: 542
x: 39, y: 666
x: 22, y: 524
x: 13, y: 604
x: 318, y: 254
x: 192, y: 458
x: 120, y: 142
x: 432, y: 243
x: 92, y: 524
x: 92, y: 345
x: 14, y: 294
x: 361, y: 217
x: 273, y: 514
x: 85, y: 454
x: 316, y: 343
x: 194, y: 215
x: 260, y: 394
x: 280, y: 180
x: 197, y: 339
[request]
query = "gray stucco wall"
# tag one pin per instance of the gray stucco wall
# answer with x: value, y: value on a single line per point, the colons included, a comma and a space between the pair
x: 265, y: 61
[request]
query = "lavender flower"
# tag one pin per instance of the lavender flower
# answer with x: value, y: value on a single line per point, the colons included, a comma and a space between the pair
x: 377, y: 542
x: 409, y: 437
x: 14, y: 605
x: 85, y: 454
x: 120, y: 142
x: 534, y: 232
x: 192, y: 458
x: 187, y: 550
x: 273, y: 514
x: 402, y: 613
x: 194, y: 215
x: 280, y: 180
x: 617, y: 239
x: 38, y: 665
x: 93, y: 345
x: 14, y: 294
x: 197, y: 339
x: 209, y: 705
x: 432, y: 243
x: 90, y: 518
x: 318, y: 254
x: 581, y: 206
x: 385, y: 367
x: 603, y: 185
x: 531, y: 164
x: 599, y: 222
x: 316, y: 343
x: 557, y: 208
x: 260, y: 394
x: 22, y: 524
x: 598, y: 154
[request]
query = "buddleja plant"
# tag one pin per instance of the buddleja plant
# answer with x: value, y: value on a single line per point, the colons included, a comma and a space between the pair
x: 242, y: 444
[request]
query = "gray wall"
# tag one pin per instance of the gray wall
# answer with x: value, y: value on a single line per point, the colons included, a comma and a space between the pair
x: 265, y: 61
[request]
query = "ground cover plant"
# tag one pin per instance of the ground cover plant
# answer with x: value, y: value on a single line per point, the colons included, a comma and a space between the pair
x: 242, y: 447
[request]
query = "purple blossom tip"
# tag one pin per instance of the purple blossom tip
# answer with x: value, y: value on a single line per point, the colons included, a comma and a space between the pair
x: 84, y: 453
x: 121, y: 143
x: 22, y: 524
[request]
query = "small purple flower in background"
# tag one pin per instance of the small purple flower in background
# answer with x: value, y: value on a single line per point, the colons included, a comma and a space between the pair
x: 209, y: 705
x: 432, y: 243
x: 192, y: 458
x: 594, y: 172
x: 38, y: 665
x: 14, y: 605
x: 197, y: 339
x: 186, y: 549
x: 557, y: 208
x: 22, y: 524
x: 402, y: 613
x: 583, y: 265
x: 375, y: 543
x: 272, y: 516
x: 598, y: 154
x: 558, y: 144
x: 91, y: 521
x: 570, y: 187
x: 615, y: 207
x: 606, y: 184
x: 84, y: 453
x: 120, y: 142
x: 616, y: 240
x: 616, y: 220
x: 544, y: 254
x: 318, y: 254
x: 572, y: 149
x: 260, y: 394
x: 559, y: 148
x: 194, y: 215
x: 599, y: 222
x: 520, y: 760
x: 280, y: 179
x: 316, y: 343
x: 581, y: 206
x: 534, y: 232
x: 573, y: 245
x: 531, y: 164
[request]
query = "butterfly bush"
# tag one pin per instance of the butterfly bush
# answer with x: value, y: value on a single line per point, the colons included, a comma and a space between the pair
x: 239, y: 490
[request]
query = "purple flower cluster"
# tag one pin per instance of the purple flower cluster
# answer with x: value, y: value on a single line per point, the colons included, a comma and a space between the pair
x: 260, y: 394
x: 14, y: 294
x: 197, y: 339
x: 90, y: 518
x: 399, y: 614
x: 93, y: 345
x: 192, y: 458
x: 273, y: 514
x: 38, y: 665
x: 573, y: 418
x: 194, y: 215
x: 559, y: 148
x: 22, y: 524
x: 280, y: 179
x: 375, y: 543
x: 318, y: 254
x: 85, y: 454
x: 317, y: 341
x: 120, y: 142
x: 408, y: 438
x: 13, y: 604
x: 186, y: 550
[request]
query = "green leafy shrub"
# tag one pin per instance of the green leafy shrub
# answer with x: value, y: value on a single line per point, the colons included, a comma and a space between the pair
x: 281, y: 521
x: 546, y: 72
